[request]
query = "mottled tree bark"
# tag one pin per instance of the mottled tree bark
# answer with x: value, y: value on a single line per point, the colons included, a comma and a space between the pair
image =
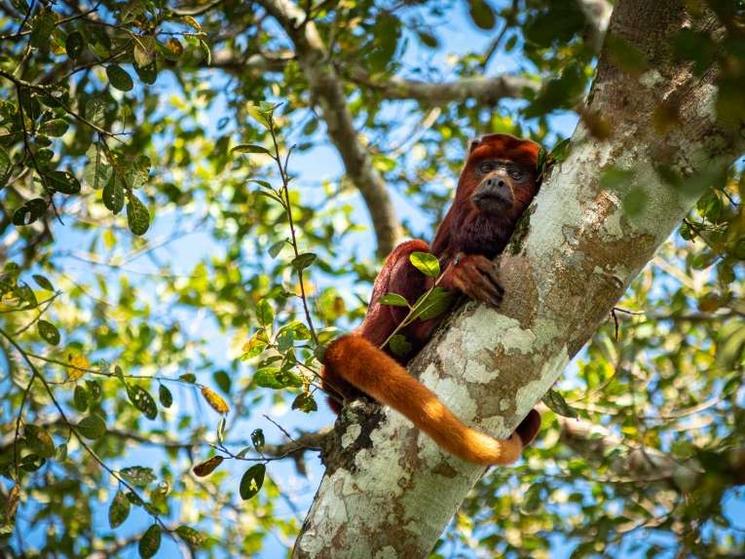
x: 388, y: 490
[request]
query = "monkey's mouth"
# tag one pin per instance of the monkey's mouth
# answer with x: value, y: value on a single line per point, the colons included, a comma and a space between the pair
x: 492, y: 200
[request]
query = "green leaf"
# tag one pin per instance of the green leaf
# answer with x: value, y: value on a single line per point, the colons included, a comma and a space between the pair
x: 55, y: 128
x: 138, y: 217
x: 48, y: 332
x: 30, y: 212
x: 305, y: 403
x: 94, y: 389
x: 222, y: 379
x: 32, y: 462
x: 95, y: 111
x: 80, y: 398
x: 400, y: 345
x: 257, y: 438
x: 39, y: 440
x: 62, y: 181
x: 150, y: 542
x: 92, y: 427
x: 74, y: 44
x: 138, y: 171
x: 265, y: 312
x: 558, y: 404
x: 148, y: 74
x: 97, y: 173
x: 113, y: 195
x: 135, y: 499
x: 273, y: 377
x: 119, y: 78
x: 138, y: 475
x: 434, y: 303
x: 191, y: 378
x: 252, y: 481
x: 259, y: 114
x: 426, y: 263
x: 302, y: 261
x: 142, y: 400
x: 276, y: 248
x: 249, y: 148
x: 165, y: 396
x: 731, y: 339
x: 394, y: 299
x: 5, y: 166
x: 42, y: 29
x: 119, y: 509
x: 43, y: 282
x: 191, y: 536
x: 482, y: 14
x: 25, y: 293
x: 262, y: 183
x: 561, y: 151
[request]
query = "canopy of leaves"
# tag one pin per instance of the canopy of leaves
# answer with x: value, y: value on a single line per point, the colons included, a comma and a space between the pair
x: 155, y: 238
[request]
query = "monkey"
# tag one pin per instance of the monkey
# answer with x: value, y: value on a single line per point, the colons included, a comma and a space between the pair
x: 498, y: 181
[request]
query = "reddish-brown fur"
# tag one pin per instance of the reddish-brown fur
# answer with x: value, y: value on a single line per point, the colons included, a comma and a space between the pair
x: 477, y: 227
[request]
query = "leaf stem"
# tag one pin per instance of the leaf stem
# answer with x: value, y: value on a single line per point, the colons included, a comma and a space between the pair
x: 288, y: 210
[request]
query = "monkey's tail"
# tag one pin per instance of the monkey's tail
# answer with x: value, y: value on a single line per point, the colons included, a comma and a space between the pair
x: 372, y: 371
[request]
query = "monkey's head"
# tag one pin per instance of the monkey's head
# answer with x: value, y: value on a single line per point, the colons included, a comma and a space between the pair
x: 500, y: 176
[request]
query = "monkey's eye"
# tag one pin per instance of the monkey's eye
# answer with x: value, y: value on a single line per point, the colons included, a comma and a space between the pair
x: 516, y: 174
x: 486, y: 167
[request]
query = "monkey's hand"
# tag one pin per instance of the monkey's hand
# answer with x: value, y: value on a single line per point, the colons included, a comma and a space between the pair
x: 475, y: 276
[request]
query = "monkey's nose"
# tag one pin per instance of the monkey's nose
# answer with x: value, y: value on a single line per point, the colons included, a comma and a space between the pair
x: 494, y: 182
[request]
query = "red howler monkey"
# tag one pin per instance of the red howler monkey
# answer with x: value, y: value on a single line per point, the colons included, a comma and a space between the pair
x: 498, y: 182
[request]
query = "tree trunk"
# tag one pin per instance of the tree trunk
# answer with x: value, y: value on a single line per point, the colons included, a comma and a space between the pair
x: 388, y: 491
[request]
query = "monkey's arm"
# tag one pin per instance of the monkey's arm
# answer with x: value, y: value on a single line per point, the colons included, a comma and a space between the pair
x: 399, y: 276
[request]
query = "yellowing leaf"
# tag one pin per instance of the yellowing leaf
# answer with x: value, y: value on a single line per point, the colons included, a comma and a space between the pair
x: 208, y: 466
x: 78, y: 363
x: 215, y: 400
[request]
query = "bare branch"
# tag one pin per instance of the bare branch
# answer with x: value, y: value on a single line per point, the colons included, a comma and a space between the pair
x: 327, y: 88
x: 485, y: 90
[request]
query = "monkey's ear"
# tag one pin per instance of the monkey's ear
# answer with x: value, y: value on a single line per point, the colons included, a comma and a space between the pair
x: 474, y: 143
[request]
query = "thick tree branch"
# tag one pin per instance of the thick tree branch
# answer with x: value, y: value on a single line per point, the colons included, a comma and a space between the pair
x: 389, y: 490
x: 487, y: 91
x: 327, y: 88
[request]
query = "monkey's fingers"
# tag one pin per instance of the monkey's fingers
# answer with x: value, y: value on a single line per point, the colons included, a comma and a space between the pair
x: 490, y: 270
x: 478, y: 278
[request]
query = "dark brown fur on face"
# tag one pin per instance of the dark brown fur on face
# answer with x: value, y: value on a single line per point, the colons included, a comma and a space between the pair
x: 472, y: 229
x: 498, y: 182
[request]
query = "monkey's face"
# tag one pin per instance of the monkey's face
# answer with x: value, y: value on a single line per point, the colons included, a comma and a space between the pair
x: 500, y: 175
x: 504, y: 186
